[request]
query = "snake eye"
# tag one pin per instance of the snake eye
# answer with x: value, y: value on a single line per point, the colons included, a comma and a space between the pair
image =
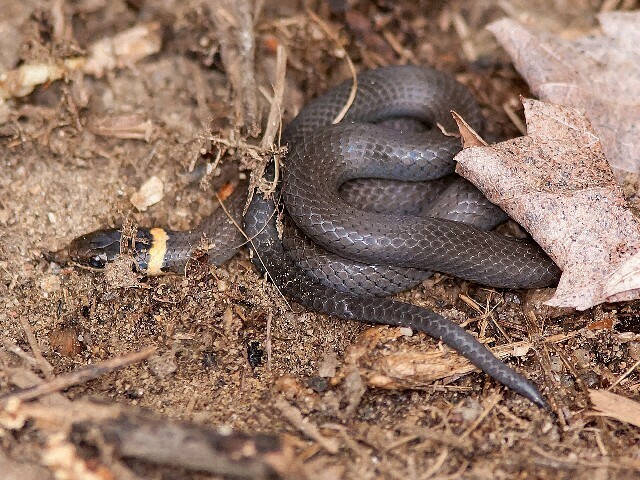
x: 98, y: 261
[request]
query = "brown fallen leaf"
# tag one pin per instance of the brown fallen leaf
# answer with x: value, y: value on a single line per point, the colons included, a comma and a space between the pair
x: 557, y: 184
x: 122, y: 50
x: 383, y: 361
x: 599, y: 74
x: 616, y: 406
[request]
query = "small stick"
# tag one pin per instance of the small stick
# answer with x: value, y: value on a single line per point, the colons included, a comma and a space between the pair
x: 493, y: 401
x: 222, y: 451
x: 269, y: 346
x: 16, y: 350
x: 625, y: 375
x: 354, y: 88
x: 437, y: 465
x: 233, y: 20
x: 45, y: 367
x: 275, y: 113
x: 79, y: 376
x: 116, y: 431
x: 294, y: 416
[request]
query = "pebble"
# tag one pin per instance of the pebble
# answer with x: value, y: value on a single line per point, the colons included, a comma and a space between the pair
x: 150, y: 193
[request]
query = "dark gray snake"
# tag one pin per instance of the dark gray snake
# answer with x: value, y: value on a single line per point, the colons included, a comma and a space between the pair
x: 374, y: 233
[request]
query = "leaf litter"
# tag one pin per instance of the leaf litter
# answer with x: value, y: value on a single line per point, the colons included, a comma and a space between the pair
x: 599, y: 74
x: 556, y: 183
x: 386, y: 434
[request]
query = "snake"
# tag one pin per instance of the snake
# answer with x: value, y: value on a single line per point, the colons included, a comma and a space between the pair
x: 371, y: 207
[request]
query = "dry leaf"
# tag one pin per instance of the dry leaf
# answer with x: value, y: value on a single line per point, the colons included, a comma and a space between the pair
x: 22, y: 80
x: 384, y: 362
x: 122, y: 50
x: 599, y: 74
x: 616, y: 406
x: 557, y: 184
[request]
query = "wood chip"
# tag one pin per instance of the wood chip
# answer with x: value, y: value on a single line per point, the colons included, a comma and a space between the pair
x: 616, y: 406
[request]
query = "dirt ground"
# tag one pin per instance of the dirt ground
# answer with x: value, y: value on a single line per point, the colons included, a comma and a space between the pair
x: 62, y: 178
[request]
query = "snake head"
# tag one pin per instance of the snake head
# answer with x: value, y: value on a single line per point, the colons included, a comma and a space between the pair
x: 95, y: 249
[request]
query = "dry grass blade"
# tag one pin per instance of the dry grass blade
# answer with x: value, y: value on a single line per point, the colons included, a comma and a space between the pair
x: 335, y: 38
x: 294, y: 416
x: 45, y: 367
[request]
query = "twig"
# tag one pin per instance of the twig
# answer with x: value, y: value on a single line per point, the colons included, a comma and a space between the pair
x: 219, y: 451
x: 437, y: 465
x: 115, y: 431
x: 404, y: 53
x: 513, y: 116
x: 352, y: 93
x: 354, y: 88
x: 625, y: 375
x: 427, y: 434
x: 493, y: 401
x: 16, y: 350
x: 268, y: 344
x: 462, y: 29
x: 534, y: 330
x: 275, y: 113
x: 614, y: 463
x: 234, y: 24
x: 79, y: 376
x: 45, y: 367
x: 294, y: 416
x: 60, y: 32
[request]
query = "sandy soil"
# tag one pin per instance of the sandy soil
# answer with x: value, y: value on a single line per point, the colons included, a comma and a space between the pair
x: 61, y: 180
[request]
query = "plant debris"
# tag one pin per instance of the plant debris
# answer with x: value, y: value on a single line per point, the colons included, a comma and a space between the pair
x: 557, y: 184
x: 74, y: 151
x: 599, y: 74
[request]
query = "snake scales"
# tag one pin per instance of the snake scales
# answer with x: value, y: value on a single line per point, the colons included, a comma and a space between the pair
x: 372, y: 195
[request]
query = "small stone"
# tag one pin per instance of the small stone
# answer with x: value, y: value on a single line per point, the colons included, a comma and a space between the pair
x: 328, y: 365
x: 406, y: 331
x: 582, y: 357
x: 318, y: 384
x: 567, y: 381
x: 511, y: 297
x: 556, y: 363
x: 65, y: 341
x: 162, y: 366
x: 150, y: 193
x: 50, y: 284
x: 590, y: 379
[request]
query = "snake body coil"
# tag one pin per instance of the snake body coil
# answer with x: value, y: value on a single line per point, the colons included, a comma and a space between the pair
x: 363, y: 244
